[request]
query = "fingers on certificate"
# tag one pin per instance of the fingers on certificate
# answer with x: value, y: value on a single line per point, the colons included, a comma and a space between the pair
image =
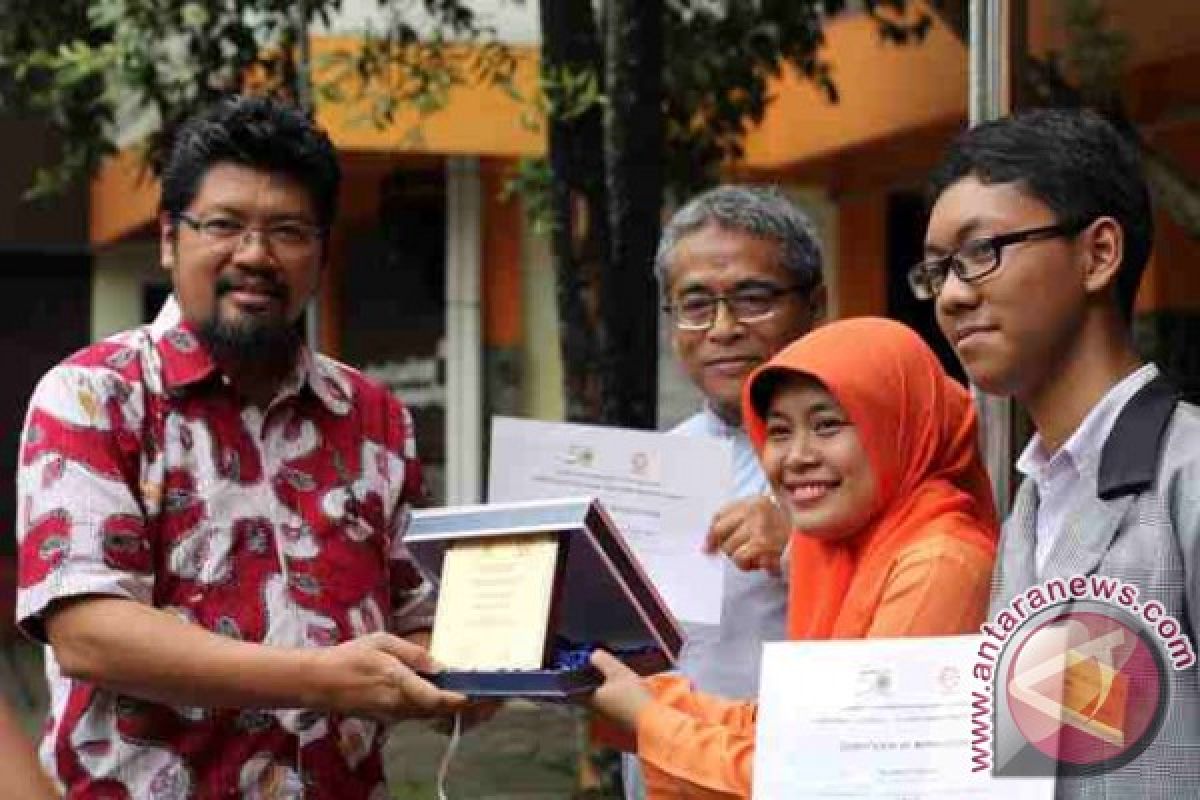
x: 752, y: 532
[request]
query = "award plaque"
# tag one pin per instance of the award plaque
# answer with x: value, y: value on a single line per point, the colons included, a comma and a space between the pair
x: 528, y: 590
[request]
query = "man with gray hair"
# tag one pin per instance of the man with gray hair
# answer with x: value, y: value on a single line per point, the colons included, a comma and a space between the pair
x: 740, y: 272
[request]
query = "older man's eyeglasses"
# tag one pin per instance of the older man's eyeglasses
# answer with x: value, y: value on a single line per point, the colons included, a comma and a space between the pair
x: 284, y: 238
x: 978, y: 258
x: 697, y: 310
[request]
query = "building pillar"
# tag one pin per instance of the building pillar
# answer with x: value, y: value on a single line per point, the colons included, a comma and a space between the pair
x: 989, y: 96
x: 464, y: 357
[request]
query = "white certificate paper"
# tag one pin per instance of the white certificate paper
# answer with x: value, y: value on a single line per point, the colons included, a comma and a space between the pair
x: 873, y: 718
x: 661, y: 491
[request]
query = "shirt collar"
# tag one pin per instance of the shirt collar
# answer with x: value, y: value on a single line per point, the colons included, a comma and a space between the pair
x: 327, y: 381
x: 1084, y: 445
x: 1130, y: 459
x: 187, y: 362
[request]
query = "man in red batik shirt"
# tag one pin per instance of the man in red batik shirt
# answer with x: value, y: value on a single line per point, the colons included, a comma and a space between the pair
x: 210, y: 514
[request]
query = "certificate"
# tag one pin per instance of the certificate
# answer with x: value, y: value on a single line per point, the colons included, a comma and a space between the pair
x: 661, y: 490
x: 873, y: 718
x: 494, y: 603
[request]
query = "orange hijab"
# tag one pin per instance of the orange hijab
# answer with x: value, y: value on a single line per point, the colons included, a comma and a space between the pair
x: 919, y: 430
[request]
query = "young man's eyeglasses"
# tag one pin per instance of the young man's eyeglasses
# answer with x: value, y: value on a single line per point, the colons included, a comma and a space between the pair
x: 696, y: 310
x: 976, y: 259
x: 285, y: 238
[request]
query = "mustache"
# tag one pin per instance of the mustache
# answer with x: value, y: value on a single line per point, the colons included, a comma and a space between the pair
x: 232, y: 283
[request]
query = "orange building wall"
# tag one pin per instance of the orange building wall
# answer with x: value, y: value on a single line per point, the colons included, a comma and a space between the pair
x: 899, y: 107
x: 1157, y: 31
x: 124, y: 199
x: 1172, y: 280
x: 476, y: 120
x: 502, y: 226
x: 885, y: 90
x: 862, y: 242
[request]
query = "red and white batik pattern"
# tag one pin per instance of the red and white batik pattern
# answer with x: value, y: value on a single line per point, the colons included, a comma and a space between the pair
x: 142, y: 476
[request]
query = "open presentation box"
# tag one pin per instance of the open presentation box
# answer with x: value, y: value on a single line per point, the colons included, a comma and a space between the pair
x: 540, y: 585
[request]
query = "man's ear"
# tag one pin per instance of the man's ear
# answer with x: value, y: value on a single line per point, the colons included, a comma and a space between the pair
x: 168, y: 241
x: 1103, y: 245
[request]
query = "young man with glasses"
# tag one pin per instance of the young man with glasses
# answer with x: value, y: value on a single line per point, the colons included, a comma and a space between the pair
x: 740, y: 273
x: 211, y: 514
x: 1039, y: 233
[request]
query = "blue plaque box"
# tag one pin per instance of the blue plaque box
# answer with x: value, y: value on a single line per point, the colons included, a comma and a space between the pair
x: 604, y: 598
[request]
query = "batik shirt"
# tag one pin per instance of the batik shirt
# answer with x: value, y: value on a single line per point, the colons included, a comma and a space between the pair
x: 144, y: 476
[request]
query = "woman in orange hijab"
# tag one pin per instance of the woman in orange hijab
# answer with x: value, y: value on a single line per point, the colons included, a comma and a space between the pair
x: 873, y: 450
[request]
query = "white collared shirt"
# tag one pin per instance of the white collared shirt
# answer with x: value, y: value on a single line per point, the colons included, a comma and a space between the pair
x: 724, y: 659
x: 1057, y: 475
x: 168, y: 316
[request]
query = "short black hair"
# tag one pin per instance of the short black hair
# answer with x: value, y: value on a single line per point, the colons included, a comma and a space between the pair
x: 257, y: 132
x: 1075, y: 162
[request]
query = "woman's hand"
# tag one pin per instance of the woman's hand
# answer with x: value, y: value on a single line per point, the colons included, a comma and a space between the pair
x: 622, y: 696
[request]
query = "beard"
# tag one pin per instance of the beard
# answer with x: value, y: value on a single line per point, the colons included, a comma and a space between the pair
x: 251, y: 342
x: 267, y: 342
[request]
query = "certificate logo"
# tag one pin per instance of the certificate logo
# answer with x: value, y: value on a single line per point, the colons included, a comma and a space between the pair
x: 580, y: 455
x: 645, y: 466
x: 949, y: 679
x: 874, y: 682
x: 1074, y: 675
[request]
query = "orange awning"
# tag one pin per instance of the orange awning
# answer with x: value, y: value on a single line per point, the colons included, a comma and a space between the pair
x: 885, y: 89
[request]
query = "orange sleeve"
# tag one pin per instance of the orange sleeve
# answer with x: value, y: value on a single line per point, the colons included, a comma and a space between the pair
x: 694, y: 745
x: 937, y: 587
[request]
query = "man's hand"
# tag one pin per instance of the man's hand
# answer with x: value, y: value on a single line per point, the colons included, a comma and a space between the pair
x: 473, y: 713
x: 753, y: 532
x: 376, y: 676
x: 622, y: 696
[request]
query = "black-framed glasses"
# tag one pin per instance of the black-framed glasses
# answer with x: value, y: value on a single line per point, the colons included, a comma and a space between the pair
x: 284, y: 238
x: 754, y: 302
x: 978, y: 258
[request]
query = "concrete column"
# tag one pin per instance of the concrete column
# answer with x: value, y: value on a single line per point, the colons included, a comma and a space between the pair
x: 989, y: 97
x: 464, y: 347
x: 120, y: 274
